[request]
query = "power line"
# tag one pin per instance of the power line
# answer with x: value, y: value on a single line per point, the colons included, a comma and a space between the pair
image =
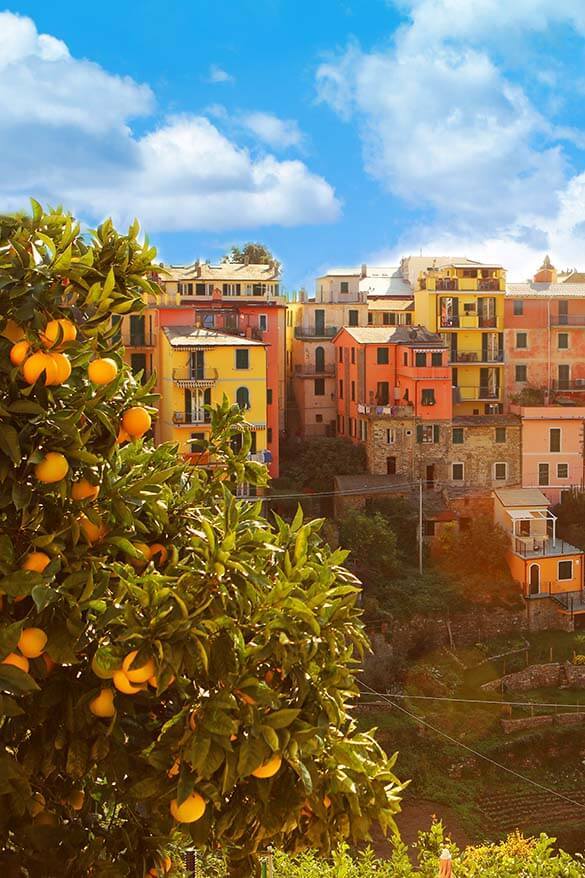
x: 479, y: 755
x: 478, y: 700
x: 351, y: 492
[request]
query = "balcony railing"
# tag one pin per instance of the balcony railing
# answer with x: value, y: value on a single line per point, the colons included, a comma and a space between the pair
x: 567, y: 319
x: 139, y: 339
x: 485, y: 322
x: 468, y: 394
x: 488, y: 284
x: 315, y: 332
x: 308, y: 371
x: 543, y: 547
x: 446, y: 284
x: 577, y: 384
x: 197, y: 416
x: 393, y: 411
x: 477, y: 357
x: 195, y: 377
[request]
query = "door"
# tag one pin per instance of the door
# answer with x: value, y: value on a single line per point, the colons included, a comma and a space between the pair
x: 137, y: 331
x: 138, y: 364
x: 391, y: 466
x: 534, y: 581
x: 564, y: 376
x: 486, y: 309
x: 543, y: 473
x: 319, y: 359
x: 563, y: 312
x: 196, y: 365
x: 319, y: 322
x: 489, y: 383
x: 430, y: 475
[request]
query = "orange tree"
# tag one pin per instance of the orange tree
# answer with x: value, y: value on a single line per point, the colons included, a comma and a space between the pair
x: 174, y: 669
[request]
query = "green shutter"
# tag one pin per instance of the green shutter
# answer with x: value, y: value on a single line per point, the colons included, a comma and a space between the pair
x: 419, y: 433
x: 435, y: 432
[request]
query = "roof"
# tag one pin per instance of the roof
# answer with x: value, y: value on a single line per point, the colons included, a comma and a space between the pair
x: 195, y: 336
x: 490, y: 420
x: 385, y: 281
x: 388, y: 304
x: 366, y: 482
x: 415, y: 336
x: 562, y: 290
x: 224, y: 271
x: 525, y: 497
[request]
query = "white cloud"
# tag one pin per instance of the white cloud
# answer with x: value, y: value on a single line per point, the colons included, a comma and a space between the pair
x: 444, y: 128
x: 277, y: 133
x: 218, y: 74
x: 65, y: 137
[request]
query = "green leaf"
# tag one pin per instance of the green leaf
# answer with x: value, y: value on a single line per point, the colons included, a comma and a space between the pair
x: 109, y: 283
x: 280, y: 719
x: 14, y: 680
x: 9, y: 637
x: 9, y: 443
x: 9, y: 707
x: 251, y: 755
x: 148, y: 787
x: 270, y: 737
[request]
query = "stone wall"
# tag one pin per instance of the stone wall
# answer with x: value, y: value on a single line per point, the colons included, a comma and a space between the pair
x: 552, y: 675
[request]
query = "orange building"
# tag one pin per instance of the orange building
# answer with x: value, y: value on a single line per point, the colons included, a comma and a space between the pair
x: 543, y: 565
x: 238, y: 299
x: 544, y: 337
x: 401, y: 370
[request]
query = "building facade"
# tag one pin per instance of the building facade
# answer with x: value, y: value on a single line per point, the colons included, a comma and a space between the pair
x: 464, y: 301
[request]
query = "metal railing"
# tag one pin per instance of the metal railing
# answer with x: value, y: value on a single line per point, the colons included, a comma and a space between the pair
x: 393, y: 411
x: 465, y: 394
x: 476, y: 356
x: 139, y: 339
x: 538, y: 547
x: 197, y: 416
x: 575, y: 384
x: 488, y: 284
x: 567, y: 319
x: 314, y: 332
x: 573, y: 601
x: 195, y: 376
x: 307, y: 370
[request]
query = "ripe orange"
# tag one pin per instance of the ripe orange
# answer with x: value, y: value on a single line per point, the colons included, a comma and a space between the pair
x: 190, y: 810
x: 19, y: 352
x: 84, y: 490
x: 123, y: 684
x: 268, y: 768
x: 17, y: 661
x: 35, y: 365
x: 52, y: 468
x: 175, y: 768
x: 141, y: 673
x: 122, y: 437
x: 159, y: 549
x: 103, y: 704
x: 243, y: 696
x: 136, y: 421
x: 13, y: 331
x: 102, y: 371
x: 49, y: 663
x: 93, y: 532
x: 61, y: 331
x: 326, y: 801
x: 76, y: 799
x: 36, y: 561
x: 62, y: 366
x: 32, y: 642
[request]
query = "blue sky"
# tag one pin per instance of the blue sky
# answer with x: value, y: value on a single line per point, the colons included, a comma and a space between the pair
x: 335, y: 131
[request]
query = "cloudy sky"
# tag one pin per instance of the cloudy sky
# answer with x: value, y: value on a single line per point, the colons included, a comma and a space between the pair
x: 336, y: 131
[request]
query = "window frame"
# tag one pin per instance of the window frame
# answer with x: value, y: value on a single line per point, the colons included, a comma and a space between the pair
x: 564, y: 464
x: 318, y: 382
x: 460, y: 463
x: 521, y: 347
x: 239, y: 352
x: 382, y: 356
x: 564, y: 335
x: 546, y: 464
x: 427, y: 396
x: 518, y: 307
x: 572, y: 567
x: 516, y: 378
x: 460, y: 431
x: 498, y: 441
x: 555, y: 430
x: 495, y: 476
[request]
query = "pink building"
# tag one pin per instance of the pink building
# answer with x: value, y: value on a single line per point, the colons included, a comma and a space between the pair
x: 553, y: 448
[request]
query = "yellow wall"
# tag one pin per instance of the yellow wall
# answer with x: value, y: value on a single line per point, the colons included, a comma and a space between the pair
x: 220, y: 360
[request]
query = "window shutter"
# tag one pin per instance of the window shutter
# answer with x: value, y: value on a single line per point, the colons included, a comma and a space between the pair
x: 435, y: 432
x: 419, y: 433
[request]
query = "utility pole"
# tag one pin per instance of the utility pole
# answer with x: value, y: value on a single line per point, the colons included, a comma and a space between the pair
x: 420, y: 525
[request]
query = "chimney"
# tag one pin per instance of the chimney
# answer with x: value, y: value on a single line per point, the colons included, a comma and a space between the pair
x: 546, y: 274
x: 364, y: 270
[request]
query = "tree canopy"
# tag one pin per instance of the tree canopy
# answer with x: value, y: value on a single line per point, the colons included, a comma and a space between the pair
x: 252, y: 252
x: 173, y: 667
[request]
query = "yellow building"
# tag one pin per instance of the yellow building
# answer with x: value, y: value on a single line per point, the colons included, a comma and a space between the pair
x: 464, y: 301
x: 197, y: 367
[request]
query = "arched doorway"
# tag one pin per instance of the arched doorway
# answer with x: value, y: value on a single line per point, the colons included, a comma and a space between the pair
x: 534, y: 580
x: 319, y: 359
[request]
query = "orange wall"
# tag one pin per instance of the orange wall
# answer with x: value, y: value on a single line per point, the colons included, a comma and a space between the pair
x: 520, y: 570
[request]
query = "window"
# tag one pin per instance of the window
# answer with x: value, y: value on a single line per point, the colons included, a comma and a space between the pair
x: 243, y: 398
x: 391, y: 466
x: 469, y: 307
x: 521, y: 340
x: 500, y: 434
x: 520, y: 373
x: 318, y: 419
x: 341, y: 355
x: 429, y: 528
x: 382, y: 357
x: 382, y: 393
x: 563, y: 341
x: 269, y: 396
x: 518, y: 308
x: 565, y: 569
x: 564, y: 374
x: 340, y: 425
x: 562, y: 470
x: 263, y: 322
x: 427, y: 433
x: 200, y: 289
x: 351, y: 426
x: 388, y: 319
x: 457, y: 472
x: 344, y: 287
x: 231, y: 289
x: 390, y: 437
x: 554, y: 439
x: 242, y: 358
x: 428, y: 396
x: 353, y: 355
x: 500, y: 472
x: 269, y: 435
x: 353, y: 391
x: 319, y: 387
x: 543, y: 473
x: 370, y: 319
x: 138, y: 364
x: 341, y: 388
x: 198, y: 437
x: 436, y: 359
x: 319, y: 359
x: 420, y: 359
x: 353, y: 318
x: 457, y: 436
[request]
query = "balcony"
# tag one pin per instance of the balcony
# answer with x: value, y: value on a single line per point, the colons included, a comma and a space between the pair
x: 488, y: 284
x: 311, y: 371
x: 446, y: 284
x: 315, y: 332
x: 392, y: 411
x: 543, y: 547
x: 195, y: 377
x: 139, y: 339
x: 476, y: 357
x: 576, y: 385
x: 474, y: 394
x: 189, y: 419
x: 567, y: 319
x: 470, y: 321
